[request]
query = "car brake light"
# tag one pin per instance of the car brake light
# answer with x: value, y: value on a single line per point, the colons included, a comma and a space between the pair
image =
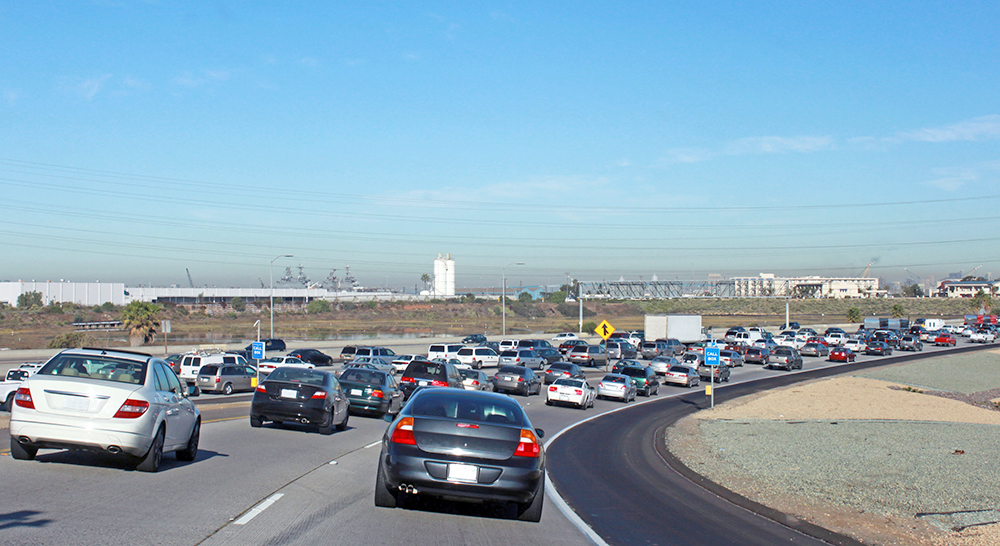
x: 318, y: 395
x: 132, y: 408
x: 601, y: 384
x: 528, y: 447
x: 577, y: 391
x: 553, y: 388
x: 260, y: 388
x: 403, y: 433
x: 520, y: 379
x: 218, y: 379
x: 437, y: 383
x: 23, y: 398
x: 377, y: 393
x: 405, y: 379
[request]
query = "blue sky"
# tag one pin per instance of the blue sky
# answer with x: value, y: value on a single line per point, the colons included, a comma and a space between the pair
x: 599, y: 139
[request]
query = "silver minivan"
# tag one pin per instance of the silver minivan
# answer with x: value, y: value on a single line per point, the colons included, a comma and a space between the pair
x: 226, y: 379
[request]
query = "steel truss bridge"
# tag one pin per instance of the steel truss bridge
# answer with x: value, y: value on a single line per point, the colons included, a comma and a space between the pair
x: 651, y: 290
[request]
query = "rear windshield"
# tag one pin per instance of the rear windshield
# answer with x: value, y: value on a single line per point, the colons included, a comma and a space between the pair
x: 96, y: 367
x: 579, y: 349
x: 679, y: 369
x: 298, y: 375
x: 509, y: 353
x: 363, y: 376
x: 348, y: 350
x: 560, y: 366
x: 633, y: 372
x: 467, y: 408
x: 569, y: 382
x: 515, y: 370
x: 419, y: 368
x: 468, y: 374
x: 614, y: 378
x: 208, y: 370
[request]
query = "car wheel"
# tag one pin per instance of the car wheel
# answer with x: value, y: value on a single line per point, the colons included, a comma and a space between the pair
x: 478, y: 365
x: 548, y: 402
x: 384, y: 497
x: 22, y: 452
x: 532, y: 511
x: 151, y: 461
x: 190, y: 451
x: 227, y: 389
x: 327, y: 427
x: 343, y: 426
x: 9, y: 403
x: 256, y: 422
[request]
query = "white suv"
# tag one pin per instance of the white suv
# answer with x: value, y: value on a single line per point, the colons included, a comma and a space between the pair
x: 444, y: 350
x: 477, y: 357
x: 193, y: 362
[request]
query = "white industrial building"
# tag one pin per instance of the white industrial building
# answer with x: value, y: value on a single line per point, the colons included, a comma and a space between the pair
x: 81, y: 293
x: 766, y: 284
x: 444, y: 276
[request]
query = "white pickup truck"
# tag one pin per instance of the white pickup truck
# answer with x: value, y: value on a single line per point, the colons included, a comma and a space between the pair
x: 982, y: 336
x: 8, y: 388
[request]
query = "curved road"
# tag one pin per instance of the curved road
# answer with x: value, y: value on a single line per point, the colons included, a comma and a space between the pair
x: 617, y: 475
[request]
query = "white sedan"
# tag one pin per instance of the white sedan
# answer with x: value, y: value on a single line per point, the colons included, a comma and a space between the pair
x: 268, y: 366
x: 682, y: 375
x: 109, y: 401
x: 565, y: 336
x: 855, y: 345
x: 571, y: 391
x: 982, y: 336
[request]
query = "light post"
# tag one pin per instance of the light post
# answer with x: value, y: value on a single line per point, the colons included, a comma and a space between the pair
x: 503, y: 294
x: 272, y: 289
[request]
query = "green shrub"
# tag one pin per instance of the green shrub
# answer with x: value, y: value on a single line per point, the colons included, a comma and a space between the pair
x: 525, y: 297
x: 238, y: 304
x: 107, y: 307
x: 28, y: 300
x: 318, y: 306
x: 556, y: 297
x: 589, y: 326
x: 570, y: 310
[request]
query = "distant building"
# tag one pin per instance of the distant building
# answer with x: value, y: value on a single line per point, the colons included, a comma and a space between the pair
x: 766, y: 284
x: 965, y: 289
x: 80, y: 293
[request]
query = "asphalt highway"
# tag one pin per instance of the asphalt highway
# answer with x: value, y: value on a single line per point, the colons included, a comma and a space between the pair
x: 290, y: 485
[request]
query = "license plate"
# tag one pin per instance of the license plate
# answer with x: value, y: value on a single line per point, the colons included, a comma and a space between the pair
x: 463, y: 472
x: 355, y: 392
x: 289, y: 393
x: 76, y: 403
x: 563, y: 397
x: 508, y: 378
x: 422, y: 383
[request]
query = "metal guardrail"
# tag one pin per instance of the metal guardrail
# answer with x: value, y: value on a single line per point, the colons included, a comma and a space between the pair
x: 101, y: 325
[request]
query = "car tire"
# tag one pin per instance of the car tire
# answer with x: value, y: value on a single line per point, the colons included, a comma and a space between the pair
x: 190, y: 451
x: 548, y: 402
x: 326, y: 429
x: 151, y: 461
x: 384, y: 497
x: 256, y: 422
x: 343, y: 426
x: 21, y: 452
x: 532, y: 511
x: 9, y: 403
x: 478, y: 365
x: 227, y: 389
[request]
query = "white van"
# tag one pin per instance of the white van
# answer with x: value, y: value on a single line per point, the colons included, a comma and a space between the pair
x: 193, y: 362
x: 477, y: 357
x: 444, y: 350
x: 932, y: 324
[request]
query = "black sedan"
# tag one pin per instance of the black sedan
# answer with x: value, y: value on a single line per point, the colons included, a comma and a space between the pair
x: 304, y: 395
x: 463, y: 445
x: 313, y: 356
x: 474, y: 338
x: 878, y: 348
x: 371, y: 391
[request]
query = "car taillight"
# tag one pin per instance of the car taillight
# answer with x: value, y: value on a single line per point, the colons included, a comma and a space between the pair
x: 260, y: 388
x: 475, y: 381
x: 218, y: 379
x: 377, y: 393
x: 403, y: 433
x: 528, y: 447
x: 132, y: 408
x: 23, y: 398
x: 520, y: 379
x: 318, y: 395
x: 518, y: 359
x: 437, y: 383
x: 601, y: 384
x: 405, y: 379
x: 553, y: 388
x: 577, y: 391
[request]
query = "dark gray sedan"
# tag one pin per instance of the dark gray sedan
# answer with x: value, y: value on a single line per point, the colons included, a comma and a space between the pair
x: 517, y: 379
x: 463, y: 446
x: 814, y: 349
x: 558, y: 370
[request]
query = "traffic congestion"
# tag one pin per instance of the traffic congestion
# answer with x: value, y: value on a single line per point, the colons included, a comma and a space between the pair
x: 458, y: 423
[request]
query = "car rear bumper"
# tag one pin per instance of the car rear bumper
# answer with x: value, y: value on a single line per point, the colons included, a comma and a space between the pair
x: 496, y: 480
x: 313, y: 413
x: 80, y: 437
x: 379, y: 405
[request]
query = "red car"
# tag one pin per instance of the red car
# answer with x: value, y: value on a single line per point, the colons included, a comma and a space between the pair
x: 842, y: 354
x: 738, y: 348
x: 820, y: 340
x: 567, y: 346
x: 945, y: 338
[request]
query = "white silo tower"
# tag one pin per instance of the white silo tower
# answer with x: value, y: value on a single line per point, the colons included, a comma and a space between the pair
x: 449, y: 276
x: 439, y: 276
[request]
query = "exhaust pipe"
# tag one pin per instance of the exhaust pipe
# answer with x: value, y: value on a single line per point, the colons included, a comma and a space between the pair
x: 114, y: 449
x: 24, y: 440
x: 409, y: 489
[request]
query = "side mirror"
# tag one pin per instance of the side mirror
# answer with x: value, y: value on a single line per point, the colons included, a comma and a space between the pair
x: 540, y: 433
x: 192, y: 391
x: 388, y: 418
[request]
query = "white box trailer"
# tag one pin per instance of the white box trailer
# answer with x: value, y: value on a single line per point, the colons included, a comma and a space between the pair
x: 683, y: 328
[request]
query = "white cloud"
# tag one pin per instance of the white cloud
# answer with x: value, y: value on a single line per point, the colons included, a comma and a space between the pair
x: 135, y: 83
x: 687, y: 155
x: 952, y: 180
x: 218, y: 75
x: 981, y: 128
x: 777, y: 145
x: 187, y: 80
x: 90, y: 87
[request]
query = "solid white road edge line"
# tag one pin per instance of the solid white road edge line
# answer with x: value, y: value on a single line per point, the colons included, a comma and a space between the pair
x: 253, y: 512
x: 373, y: 444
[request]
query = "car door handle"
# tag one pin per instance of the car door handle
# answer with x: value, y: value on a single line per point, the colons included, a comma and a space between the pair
x: 172, y: 412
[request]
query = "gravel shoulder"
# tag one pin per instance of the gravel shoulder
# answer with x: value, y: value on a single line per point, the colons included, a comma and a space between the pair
x: 897, y: 455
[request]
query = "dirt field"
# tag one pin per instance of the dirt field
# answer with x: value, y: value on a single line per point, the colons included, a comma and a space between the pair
x: 701, y: 442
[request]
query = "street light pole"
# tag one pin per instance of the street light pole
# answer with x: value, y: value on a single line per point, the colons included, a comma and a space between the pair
x: 503, y: 294
x: 272, y: 290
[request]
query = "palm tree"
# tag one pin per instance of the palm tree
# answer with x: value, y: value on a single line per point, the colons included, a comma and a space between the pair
x: 981, y: 301
x: 139, y: 318
x: 426, y: 279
